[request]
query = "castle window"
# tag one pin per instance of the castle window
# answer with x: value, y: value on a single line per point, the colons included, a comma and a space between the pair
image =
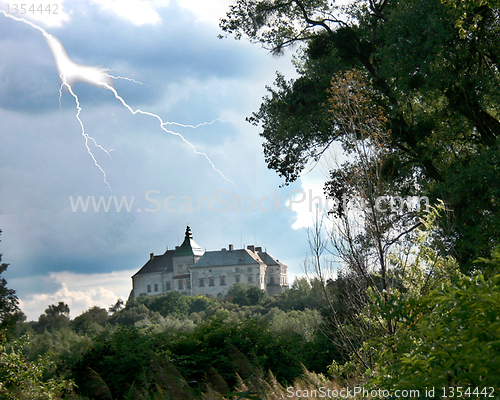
x: 250, y: 279
x: 167, y: 286
x: 249, y: 270
x: 181, y: 285
x: 222, y: 280
x: 181, y: 269
x: 149, y: 288
x: 202, y: 282
x: 237, y: 270
x: 237, y: 277
x: 211, y: 282
x: 271, y: 280
x: 188, y: 284
x: 156, y: 287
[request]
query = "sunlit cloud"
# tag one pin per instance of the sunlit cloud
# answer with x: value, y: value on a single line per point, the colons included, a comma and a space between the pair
x: 80, y: 292
x: 138, y: 12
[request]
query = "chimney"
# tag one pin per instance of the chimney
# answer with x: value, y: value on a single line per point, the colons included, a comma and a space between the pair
x: 251, y: 247
x: 230, y: 247
x: 151, y: 256
x: 223, y: 249
x: 258, y: 249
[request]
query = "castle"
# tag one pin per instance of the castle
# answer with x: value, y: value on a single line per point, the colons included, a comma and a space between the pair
x: 191, y: 271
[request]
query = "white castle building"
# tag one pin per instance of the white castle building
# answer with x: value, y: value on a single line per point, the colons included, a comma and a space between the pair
x: 191, y: 271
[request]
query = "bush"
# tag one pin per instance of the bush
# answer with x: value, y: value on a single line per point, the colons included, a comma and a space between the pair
x: 450, y: 336
x: 20, y: 379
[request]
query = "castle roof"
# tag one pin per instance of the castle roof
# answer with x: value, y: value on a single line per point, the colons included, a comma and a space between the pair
x: 269, y: 260
x: 159, y: 263
x: 225, y: 258
x: 189, y: 246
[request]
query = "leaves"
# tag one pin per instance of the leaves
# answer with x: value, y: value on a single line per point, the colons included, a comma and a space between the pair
x: 402, y: 76
x: 20, y: 379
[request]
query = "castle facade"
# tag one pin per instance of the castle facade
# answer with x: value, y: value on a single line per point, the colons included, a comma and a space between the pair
x: 190, y: 270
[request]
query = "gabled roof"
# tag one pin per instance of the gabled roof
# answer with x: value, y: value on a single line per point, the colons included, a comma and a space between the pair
x: 226, y: 258
x: 157, y: 264
x: 189, y: 246
x: 269, y: 260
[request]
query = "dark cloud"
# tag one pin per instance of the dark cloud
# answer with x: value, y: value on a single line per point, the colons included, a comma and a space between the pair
x: 157, y: 55
x: 192, y: 77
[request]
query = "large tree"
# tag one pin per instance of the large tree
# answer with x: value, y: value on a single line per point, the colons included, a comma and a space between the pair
x: 55, y: 317
x: 433, y: 71
x: 9, y: 303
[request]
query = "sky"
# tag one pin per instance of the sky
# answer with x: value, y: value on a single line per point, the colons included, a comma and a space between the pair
x: 168, y: 140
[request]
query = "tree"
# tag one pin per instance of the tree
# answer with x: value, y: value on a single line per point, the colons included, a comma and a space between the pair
x: 116, y: 307
x: 9, y: 303
x: 255, y: 295
x: 8, y: 299
x: 171, y: 304
x: 20, y: 379
x: 238, y: 294
x: 245, y: 295
x: 451, y: 336
x: 132, y: 314
x: 473, y: 14
x: 373, y: 269
x: 55, y: 317
x: 91, y: 321
x: 440, y: 102
x: 199, y: 303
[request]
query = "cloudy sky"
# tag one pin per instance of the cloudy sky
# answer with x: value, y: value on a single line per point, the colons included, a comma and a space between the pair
x: 167, y: 61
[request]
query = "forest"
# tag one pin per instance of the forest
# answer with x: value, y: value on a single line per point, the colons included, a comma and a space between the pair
x: 403, y: 301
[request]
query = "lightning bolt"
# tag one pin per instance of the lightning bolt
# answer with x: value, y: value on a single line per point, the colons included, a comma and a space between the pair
x: 194, y: 126
x: 85, y: 135
x: 71, y: 72
x: 125, y: 78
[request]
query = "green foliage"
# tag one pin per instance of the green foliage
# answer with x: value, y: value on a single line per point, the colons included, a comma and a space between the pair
x: 303, y: 294
x: 172, y: 303
x: 118, y: 359
x: 451, y: 339
x: 199, y: 303
x: 55, y: 317
x: 472, y: 14
x: 116, y: 307
x: 447, y: 331
x: 276, y: 24
x: 90, y: 322
x: 245, y: 295
x: 270, y: 345
x: 62, y: 347
x: 134, y: 312
x: 167, y: 324
x: 8, y: 302
x: 20, y: 379
x: 435, y: 87
x: 272, y: 340
x: 14, y: 326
